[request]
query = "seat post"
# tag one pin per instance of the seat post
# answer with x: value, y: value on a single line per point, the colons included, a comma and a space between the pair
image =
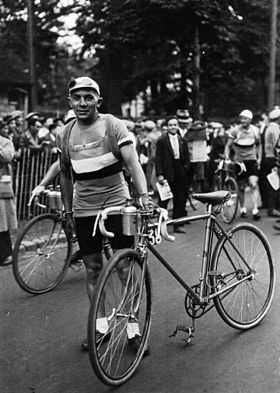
x: 206, y: 254
x: 209, y: 208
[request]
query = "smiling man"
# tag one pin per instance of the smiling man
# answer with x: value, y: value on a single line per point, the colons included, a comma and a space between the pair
x: 94, y: 147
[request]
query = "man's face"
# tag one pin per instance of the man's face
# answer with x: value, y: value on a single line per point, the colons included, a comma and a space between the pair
x: 34, y: 128
x: 12, y: 125
x: 245, y: 121
x: 84, y: 103
x: 172, y: 126
x: 19, y: 121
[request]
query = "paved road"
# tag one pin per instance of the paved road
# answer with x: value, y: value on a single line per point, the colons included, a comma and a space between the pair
x: 40, y: 336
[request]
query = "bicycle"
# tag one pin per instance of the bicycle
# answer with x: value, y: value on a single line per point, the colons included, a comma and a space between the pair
x: 225, y: 180
x: 42, y: 252
x: 237, y: 278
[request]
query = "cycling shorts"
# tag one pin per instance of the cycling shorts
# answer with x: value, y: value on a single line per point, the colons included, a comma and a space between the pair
x: 251, y: 170
x: 91, y: 245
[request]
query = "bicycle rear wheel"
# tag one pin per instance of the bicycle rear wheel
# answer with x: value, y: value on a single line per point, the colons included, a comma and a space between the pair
x: 230, y: 208
x: 41, y: 254
x: 122, y: 302
x: 248, y: 264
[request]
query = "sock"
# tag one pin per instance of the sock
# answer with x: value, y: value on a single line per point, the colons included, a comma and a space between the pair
x: 132, y: 330
x: 102, y: 325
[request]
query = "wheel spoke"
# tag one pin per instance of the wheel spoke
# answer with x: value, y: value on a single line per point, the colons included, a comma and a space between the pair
x: 247, y: 305
x: 113, y: 358
x: 41, y: 270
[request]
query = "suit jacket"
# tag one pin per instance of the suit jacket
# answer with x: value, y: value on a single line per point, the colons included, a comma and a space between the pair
x: 165, y: 158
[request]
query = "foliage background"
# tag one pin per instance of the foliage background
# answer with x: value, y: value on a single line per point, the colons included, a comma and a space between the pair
x: 133, y: 46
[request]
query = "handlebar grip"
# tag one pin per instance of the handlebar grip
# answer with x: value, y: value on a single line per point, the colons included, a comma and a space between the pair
x: 35, y: 197
x: 103, y: 217
x: 163, y: 225
x: 164, y: 232
x: 31, y: 200
x: 103, y: 229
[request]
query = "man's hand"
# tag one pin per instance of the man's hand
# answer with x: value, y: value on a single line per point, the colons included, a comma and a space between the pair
x: 37, y: 190
x: 146, y: 202
x: 69, y: 225
x: 35, y: 193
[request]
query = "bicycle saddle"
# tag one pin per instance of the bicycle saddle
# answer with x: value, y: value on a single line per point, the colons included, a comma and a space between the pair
x: 214, y: 198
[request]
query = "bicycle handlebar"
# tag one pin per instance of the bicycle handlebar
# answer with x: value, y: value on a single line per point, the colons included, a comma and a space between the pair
x: 161, y: 226
x: 36, y: 202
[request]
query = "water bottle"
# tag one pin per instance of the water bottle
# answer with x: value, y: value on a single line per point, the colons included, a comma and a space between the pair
x: 129, y: 220
x: 52, y: 198
x: 58, y: 199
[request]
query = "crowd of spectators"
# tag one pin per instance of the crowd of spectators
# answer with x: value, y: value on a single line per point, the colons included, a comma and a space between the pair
x: 205, y: 143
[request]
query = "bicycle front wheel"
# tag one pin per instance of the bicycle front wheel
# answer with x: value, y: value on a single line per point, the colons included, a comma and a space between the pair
x: 243, y: 269
x: 119, y: 314
x: 230, y: 208
x: 41, y: 254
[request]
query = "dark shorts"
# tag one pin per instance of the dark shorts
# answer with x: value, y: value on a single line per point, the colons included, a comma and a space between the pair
x: 251, y: 170
x: 90, y: 245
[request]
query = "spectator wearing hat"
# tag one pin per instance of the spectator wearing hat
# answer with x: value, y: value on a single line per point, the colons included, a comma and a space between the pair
x: 269, y: 139
x: 153, y: 134
x: 32, y: 115
x: 217, y: 148
x: 196, y: 139
x: 31, y: 138
x: 245, y: 140
x: 184, y: 121
x: 8, y: 219
x: 172, y: 165
x: 143, y: 146
x: 17, y: 120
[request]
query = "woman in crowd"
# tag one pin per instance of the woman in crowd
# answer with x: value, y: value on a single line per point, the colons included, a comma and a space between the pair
x: 8, y: 218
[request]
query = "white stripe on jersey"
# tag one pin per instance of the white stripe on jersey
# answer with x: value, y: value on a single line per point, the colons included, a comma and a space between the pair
x: 93, y: 164
x: 126, y: 139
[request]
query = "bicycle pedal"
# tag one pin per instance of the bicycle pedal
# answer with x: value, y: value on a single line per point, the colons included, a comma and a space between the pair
x: 184, y: 329
x: 76, y: 266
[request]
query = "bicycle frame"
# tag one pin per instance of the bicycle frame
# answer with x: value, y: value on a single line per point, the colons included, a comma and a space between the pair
x: 212, y: 228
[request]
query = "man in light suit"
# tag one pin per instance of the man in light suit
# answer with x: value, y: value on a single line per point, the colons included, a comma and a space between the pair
x: 172, y: 164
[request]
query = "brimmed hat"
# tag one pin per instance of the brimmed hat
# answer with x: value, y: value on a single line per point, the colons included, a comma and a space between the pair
x: 32, y: 115
x: 149, y: 124
x: 198, y: 125
x: 15, y: 114
x: 274, y: 114
x: 183, y: 116
x: 83, y: 82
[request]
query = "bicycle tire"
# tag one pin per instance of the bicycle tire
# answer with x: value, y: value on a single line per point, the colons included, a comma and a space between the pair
x: 236, y: 306
x: 230, y: 208
x: 116, y: 292
x: 41, y: 254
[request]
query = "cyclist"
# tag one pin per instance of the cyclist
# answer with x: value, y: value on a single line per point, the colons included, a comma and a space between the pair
x: 246, y: 143
x: 93, y: 149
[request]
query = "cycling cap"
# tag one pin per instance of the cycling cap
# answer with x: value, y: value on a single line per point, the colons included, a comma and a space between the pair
x: 83, y: 82
x: 274, y: 114
x: 246, y: 113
